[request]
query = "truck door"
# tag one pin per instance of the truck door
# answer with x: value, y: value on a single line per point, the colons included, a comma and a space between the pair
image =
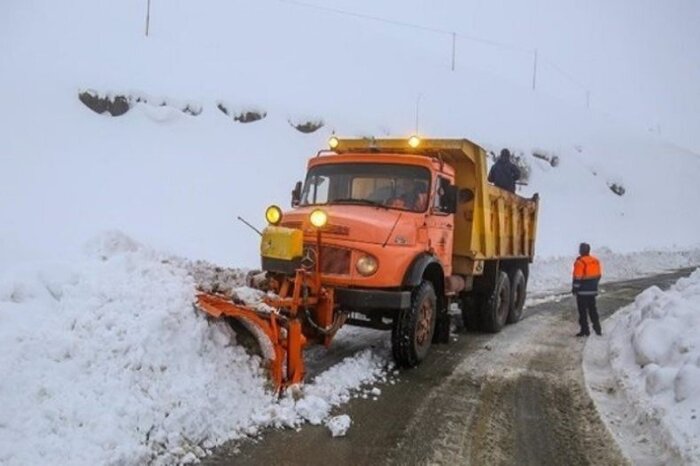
x: 441, y: 225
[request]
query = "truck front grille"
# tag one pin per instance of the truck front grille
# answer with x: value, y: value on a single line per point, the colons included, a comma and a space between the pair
x: 334, y: 260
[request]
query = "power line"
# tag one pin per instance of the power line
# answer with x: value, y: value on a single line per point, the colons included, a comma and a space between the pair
x: 567, y: 75
x: 453, y: 34
x: 364, y: 16
x: 395, y: 22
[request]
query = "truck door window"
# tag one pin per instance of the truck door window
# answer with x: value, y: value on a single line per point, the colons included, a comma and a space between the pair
x: 317, y: 189
x: 440, y: 191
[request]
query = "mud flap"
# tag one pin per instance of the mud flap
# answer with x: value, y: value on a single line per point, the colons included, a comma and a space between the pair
x: 442, y: 325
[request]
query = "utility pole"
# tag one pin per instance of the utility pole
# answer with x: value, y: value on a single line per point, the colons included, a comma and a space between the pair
x: 418, y: 109
x: 454, y: 46
x: 534, y: 72
x: 148, y: 15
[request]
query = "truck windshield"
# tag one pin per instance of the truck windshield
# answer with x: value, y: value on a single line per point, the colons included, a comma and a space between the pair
x: 403, y: 187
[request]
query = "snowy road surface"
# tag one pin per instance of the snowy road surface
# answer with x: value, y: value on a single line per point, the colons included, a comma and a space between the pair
x: 514, y: 397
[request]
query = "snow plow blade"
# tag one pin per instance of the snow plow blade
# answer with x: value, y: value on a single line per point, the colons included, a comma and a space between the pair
x: 294, y: 319
x: 281, y: 343
x: 263, y: 327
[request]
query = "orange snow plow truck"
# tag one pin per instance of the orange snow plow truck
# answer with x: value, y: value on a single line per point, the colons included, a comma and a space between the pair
x: 387, y: 234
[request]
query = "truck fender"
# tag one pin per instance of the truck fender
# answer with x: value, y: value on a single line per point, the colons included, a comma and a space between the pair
x: 416, y: 271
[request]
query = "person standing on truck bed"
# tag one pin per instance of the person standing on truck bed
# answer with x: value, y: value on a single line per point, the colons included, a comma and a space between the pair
x: 587, y: 273
x: 504, y: 173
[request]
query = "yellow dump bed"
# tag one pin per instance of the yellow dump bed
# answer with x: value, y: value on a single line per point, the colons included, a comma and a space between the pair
x: 490, y: 223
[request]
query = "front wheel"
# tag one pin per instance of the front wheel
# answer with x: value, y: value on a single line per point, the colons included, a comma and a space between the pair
x: 414, y: 327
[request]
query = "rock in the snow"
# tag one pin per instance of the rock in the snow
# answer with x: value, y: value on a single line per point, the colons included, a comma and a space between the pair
x: 222, y: 107
x: 617, y: 188
x: 244, y: 116
x: 116, y: 106
x: 552, y: 159
x: 192, y: 109
x: 307, y: 127
x: 249, y: 116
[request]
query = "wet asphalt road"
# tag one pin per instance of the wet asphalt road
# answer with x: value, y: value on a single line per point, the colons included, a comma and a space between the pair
x: 516, y: 397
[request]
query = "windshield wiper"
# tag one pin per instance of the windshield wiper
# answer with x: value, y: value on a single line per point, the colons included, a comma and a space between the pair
x: 352, y: 200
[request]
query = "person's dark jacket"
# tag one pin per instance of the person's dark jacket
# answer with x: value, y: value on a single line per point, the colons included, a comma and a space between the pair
x: 504, y: 174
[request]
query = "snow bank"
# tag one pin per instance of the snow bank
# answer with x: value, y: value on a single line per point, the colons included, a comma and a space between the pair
x: 653, y: 351
x: 104, y: 360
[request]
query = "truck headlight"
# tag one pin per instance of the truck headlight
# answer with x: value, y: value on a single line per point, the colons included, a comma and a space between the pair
x: 366, y: 265
x: 318, y: 218
x: 273, y: 215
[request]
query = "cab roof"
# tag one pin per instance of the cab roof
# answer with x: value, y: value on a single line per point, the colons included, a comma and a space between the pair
x: 448, y: 150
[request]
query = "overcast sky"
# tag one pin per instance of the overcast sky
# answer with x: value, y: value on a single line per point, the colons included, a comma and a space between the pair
x: 639, y: 59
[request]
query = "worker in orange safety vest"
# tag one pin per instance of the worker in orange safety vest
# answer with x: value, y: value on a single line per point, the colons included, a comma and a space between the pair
x: 587, y: 273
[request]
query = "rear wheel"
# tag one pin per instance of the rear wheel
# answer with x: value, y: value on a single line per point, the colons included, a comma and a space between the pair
x: 414, y: 327
x: 495, y: 309
x: 518, y: 291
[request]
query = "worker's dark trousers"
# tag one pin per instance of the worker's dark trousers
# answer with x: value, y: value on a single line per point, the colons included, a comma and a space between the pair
x: 586, y: 308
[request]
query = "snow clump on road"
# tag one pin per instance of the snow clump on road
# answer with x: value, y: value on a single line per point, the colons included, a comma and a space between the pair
x: 339, y: 425
x: 652, y: 351
x: 105, y: 360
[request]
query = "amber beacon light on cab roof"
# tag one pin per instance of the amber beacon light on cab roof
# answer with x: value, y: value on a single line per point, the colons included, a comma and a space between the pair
x: 388, y: 234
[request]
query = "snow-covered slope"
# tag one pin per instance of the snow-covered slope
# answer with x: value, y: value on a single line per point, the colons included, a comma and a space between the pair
x: 179, y: 181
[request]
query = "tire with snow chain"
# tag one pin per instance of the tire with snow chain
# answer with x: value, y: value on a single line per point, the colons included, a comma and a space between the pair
x: 495, y: 308
x: 414, y: 327
x: 518, y: 291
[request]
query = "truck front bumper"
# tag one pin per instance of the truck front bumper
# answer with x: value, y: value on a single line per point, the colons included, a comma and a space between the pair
x: 352, y: 299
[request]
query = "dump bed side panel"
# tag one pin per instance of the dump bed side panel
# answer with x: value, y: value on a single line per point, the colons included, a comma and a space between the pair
x: 512, y: 224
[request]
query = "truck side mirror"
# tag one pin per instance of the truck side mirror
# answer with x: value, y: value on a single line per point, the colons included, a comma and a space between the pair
x: 296, y: 194
x: 448, y: 199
